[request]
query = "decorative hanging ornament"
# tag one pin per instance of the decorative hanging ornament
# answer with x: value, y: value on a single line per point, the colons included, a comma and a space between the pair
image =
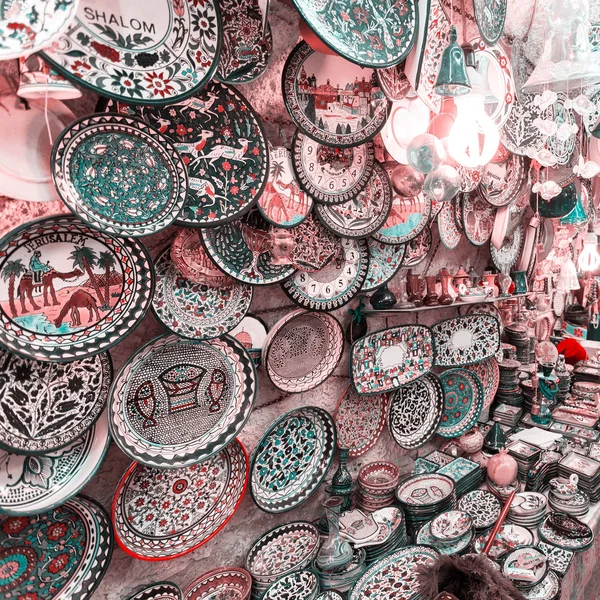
x: 586, y: 169
x: 547, y: 190
x: 442, y: 184
x: 426, y: 153
x: 452, y: 79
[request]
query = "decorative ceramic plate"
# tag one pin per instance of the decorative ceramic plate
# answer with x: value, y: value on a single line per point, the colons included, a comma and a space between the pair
x: 416, y: 410
x: 69, y: 546
x: 263, y: 54
x: 359, y: 421
x: 417, y: 249
x: 506, y: 256
x: 195, y: 310
x: 577, y: 543
x: 502, y: 181
x: 364, y: 214
x: 292, y: 458
x: 251, y: 332
x: 223, y: 146
x: 230, y: 583
x: 448, y: 228
x: 483, y: 507
x: 242, y: 249
x: 490, y: 17
x: 463, y: 402
x: 46, y: 406
x: 466, y: 340
x: 379, y: 34
x: 408, y: 218
x: 313, y: 246
x: 519, y: 134
x: 390, y: 358
x: 300, y: 585
x: 304, y: 350
x: 26, y: 27
x: 424, y: 536
x: 331, y: 100
x: 385, y: 261
x: 161, y: 514
x: 164, y: 590
x: 523, y: 555
x: 488, y: 373
x: 549, y: 587
x: 331, y: 175
x: 69, y: 291
x: 478, y: 218
x: 451, y: 525
x: 33, y: 484
x: 563, y: 144
x: 283, y: 203
x: 509, y: 537
x: 139, y: 52
x: 176, y: 402
x: 394, y: 576
x: 330, y: 595
x: 119, y: 174
x: 336, y: 284
x: 393, y: 82
x: 423, y: 490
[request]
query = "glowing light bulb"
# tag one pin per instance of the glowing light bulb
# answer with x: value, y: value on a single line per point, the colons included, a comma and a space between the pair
x: 589, y: 259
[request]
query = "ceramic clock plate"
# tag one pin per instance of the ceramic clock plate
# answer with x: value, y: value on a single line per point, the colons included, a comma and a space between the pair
x: 415, y: 411
x: 506, y: 256
x: 300, y: 585
x: 385, y: 261
x: 164, y: 590
x: 242, y: 249
x: 46, y: 406
x: 177, y: 402
x: 195, y: 310
x: 34, y: 484
x: 303, y: 350
x: 488, y: 373
x: 334, y: 285
x: 417, y: 249
x: 483, y: 507
x: 381, y: 361
x: 195, y: 504
x: 283, y: 203
x: 332, y: 100
x: 292, y: 458
x: 227, y: 582
x: 359, y: 421
x: 251, y: 332
x: 466, y: 340
x: 478, y: 219
x: 463, y: 402
x: 70, y: 546
x: 502, y: 181
x: 379, y: 34
x: 140, y: 52
x: 119, y: 174
x: 448, y: 228
x: 490, y: 17
x: 54, y: 288
x: 331, y: 175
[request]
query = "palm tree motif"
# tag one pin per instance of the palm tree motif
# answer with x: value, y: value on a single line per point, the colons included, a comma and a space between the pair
x: 106, y: 261
x: 276, y: 170
x: 85, y: 258
x: 12, y: 270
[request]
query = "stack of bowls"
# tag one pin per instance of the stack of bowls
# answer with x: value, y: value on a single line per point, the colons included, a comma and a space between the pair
x: 377, y: 483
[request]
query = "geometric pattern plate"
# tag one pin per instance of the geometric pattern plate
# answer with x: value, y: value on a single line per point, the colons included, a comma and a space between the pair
x: 225, y: 582
x: 158, y: 591
x: 385, y: 261
x: 463, y: 402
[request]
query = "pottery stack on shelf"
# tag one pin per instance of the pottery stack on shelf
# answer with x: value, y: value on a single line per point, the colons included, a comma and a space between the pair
x: 376, y: 484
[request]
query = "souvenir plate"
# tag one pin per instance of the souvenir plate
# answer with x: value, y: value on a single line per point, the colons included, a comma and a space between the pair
x: 283, y: 203
x: 394, y: 83
x: 177, y: 402
x: 548, y: 588
x: 483, y: 507
x: 313, y: 245
x: 331, y: 175
x: 519, y: 134
x: 119, y: 174
x: 490, y: 17
x: 390, y: 358
x: 263, y: 54
x: 488, y: 373
x: 379, y: 34
x: 334, y: 285
x: 524, y: 554
x: 158, y: 591
x: 408, y: 218
x: 69, y: 546
x: 332, y: 100
x: 466, y: 340
x: 463, y: 402
x: 300, y: 585
x: 292, y: 458
x: 252, y: 334
x: 478, y: 218
x: 303, y: 351
x: 364, y: 214
x: 425, y: 489
x: 385, y: 261
x: 416, y: 410
x: 140, y: 52
x: 242, y: 249
x: 559, y: 559
x: 448, y: 548
x: 509, y: 537
x: 195, y: 310
x: 448, y: 228
x: 227, y: 583
x: 417, y: 249
x: 359, y: 421
x: 506, y: 256
x: 195, y: 504
x: 46, y: 406
x: 502, y: 181
x: 33, y: 484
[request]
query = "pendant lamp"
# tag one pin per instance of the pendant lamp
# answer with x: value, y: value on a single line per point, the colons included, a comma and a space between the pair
x: 452, y: 79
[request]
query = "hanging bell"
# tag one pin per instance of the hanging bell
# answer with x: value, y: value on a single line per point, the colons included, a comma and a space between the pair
x: 452, y: 79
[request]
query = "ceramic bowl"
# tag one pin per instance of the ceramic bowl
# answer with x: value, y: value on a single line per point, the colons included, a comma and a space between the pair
x: 231, y: 582
x: 379, y: 477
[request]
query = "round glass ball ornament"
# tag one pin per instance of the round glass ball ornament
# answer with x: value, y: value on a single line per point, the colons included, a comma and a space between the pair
x: 425, y: 153
x: 442, y: 184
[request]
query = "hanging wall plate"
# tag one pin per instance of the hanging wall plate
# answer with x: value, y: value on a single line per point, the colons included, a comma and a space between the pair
x: 488, y: 372
x: 417, y: 249
x: 119, y: 174
x: 462, y: 16
x: 251, y: 332
x: 313, y: 246
x: 375, y: 34
x: 69, y: 291
x: 331, y: 175
x: 490, y: 18
x: 158, y: 591
x: 385, y: 261
x: 408, y: 218
x: 177, y: 402
x: 332, y: 100
x: 450, y: 233
x: 463, y: 402
x: 563, y: 143
x: 520, y: 133
x: 505, y: 257
x: 501, y: 182
x: 292, y: 458
x: 141, y: 53
x: 393, y: 82
x: 478, y: 218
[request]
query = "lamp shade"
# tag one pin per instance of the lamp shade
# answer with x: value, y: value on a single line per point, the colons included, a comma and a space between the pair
x: 452, y: 79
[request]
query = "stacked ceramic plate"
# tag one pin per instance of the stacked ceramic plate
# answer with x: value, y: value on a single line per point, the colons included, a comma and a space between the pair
x: 391, y: 534
x: 548, y: 589
x: 508, y: 415
x: 566, y: 532
x: 576, y: 505
x: 526, y: 456
x: 529, y: 393
x: 525, y: 566
x: 377, y: 482
x: 509, y: 537
x: 483, y: 507
x: 588, y: 471
x: 544, y: 471
x: 518, y: 336
x: 564, y: 383
x: 343, y: 580
x: 528, y: 509
x: 467, y: 475
x: 509, y: 391
x: 300, y: 585
x: 226, y: 582
x: 449, y: 533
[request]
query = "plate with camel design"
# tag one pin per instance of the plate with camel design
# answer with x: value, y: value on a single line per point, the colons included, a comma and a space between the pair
x: 68, y: 291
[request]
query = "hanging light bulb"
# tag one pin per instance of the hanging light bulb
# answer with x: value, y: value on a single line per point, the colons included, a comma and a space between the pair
x: 589, y: 259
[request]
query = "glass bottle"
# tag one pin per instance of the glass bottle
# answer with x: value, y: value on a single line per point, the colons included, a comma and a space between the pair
x: 336, y: 552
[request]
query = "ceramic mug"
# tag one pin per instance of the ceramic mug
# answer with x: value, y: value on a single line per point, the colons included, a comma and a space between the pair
x: 38, y: 81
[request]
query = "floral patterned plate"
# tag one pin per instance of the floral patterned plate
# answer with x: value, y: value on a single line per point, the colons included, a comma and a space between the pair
x: 393, y: 82
x: 359, y: 421
x: 251, y: 332
x: 70, y: 546
x: 502, y: 181
x: 177, y: 402
x: 448, y: 227
x: 483, y: 507
x: 488, y: 373
x: 425, y: 490
x: 292, y: 458
x: 490, y: 17
x: 300, y: 585
x: 417, y: 249
x: 230, y: 583
x: 478, y: 218
x: 161, y: 514
x: 385, y: 260
x: 509, y: 537
x: 463, y: 402
x: 505, y: 257
x: 164, y: 590
x: 195, y: 310
x: 119, y: 174
x: 140, y: 52
x: 424, y: 536
x: 331, y: 100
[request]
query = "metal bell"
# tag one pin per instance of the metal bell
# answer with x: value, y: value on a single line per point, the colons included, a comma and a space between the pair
x: 452, y: 79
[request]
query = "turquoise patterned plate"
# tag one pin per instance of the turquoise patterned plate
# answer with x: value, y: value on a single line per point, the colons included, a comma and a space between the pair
x: 385, y: 261
x: 464, y: 397
x: 490, y: 16
x: 119, y: 174
x: 292, y: 458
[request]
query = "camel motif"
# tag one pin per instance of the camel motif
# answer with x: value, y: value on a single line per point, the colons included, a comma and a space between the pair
x: 27, y: 287
x: 79, y: 299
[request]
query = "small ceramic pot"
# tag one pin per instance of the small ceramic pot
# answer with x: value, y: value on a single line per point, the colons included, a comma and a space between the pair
x: 472, y: 441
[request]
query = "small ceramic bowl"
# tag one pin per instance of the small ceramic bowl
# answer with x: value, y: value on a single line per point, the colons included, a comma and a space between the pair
x: 231, y: 582
x: 380, y: 477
